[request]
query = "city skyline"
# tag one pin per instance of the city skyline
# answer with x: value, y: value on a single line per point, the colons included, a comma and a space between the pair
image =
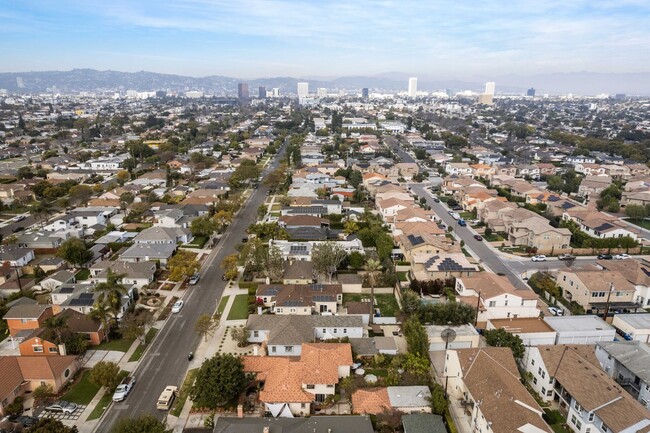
x: 297, y: 38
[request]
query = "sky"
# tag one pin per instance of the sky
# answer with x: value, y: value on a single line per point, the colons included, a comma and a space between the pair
x: 440, y: 39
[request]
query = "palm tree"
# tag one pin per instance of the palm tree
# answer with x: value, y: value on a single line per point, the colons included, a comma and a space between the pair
x: 373, y: 269
x: 57, y: 324
x: 103, y: 312
x: 112, y: 291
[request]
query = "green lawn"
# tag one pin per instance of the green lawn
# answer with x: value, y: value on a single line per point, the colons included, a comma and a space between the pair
x: 197, y: 242
x: 222, y: 304
x: 239, y: 310
x: 121, y: 345
x: 184, y: 392
x: 387, y: 304
x: 492, y: 238
x: 101, y: 407
x: 467, y: 216
x: 137, y: 353
x: 83, y: 274
x: 83, y: 391
x: 402, y: 276
x: 643, y: 223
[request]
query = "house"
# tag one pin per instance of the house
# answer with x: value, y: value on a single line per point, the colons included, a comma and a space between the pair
x: 458, y: 168
x: 40, y: 241
x: 163, y: 235
x: 16, y: 256
x: 285, y: 335
x: 407, y: 169
x: 371, y: 346
x: 586, y: 396
x: 537, y: 233
x: 160, y: 253
x: 626, y: 362
x: 388, y: 208
x: 38, y: 343
x: 466, y: 337
x: 533, y: 331
x: 292, y: 385
x: 319, y: 424
x: 58, y: 279
x: 637, y: 272
x: 441, y: 266
x: 301, y: 298
x: 26, y: 316
x: 298, y: 272
x: 487, y: 382
x: 137, y: 274
x: 22, y: 374
x: 406, y: 399
x: 496, y: 297
x: 636, y: 326
x: 425, y: 244
x: 592, y: 186
x: 596, y: 290
x: 423, y: 423
x: 580, y: 329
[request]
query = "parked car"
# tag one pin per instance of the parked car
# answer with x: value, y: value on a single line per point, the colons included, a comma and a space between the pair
x: 124, y: 388
x: 539, y: 258
x: 556, y: 311
x: 26, y: 421
x: 462, y: 223
x: 436, y: 199
x: 621, y: 256
x: 605, y: 257
x: 19, y: 218
x: 176, y: 308
x: 194, y: 279
x: 167, y: 398
x: 18, y: 229
x: 566, y: 257
x: 478, y: 237
x: 62, y: 406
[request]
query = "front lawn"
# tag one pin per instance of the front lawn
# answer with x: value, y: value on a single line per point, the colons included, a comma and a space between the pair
x: 82, y: 275
x: 83, y: 391
x: 121, y: 345
x: 184, y: 392
x: 222, y: 305
x: 492, y: 237
x: 239, y: 309
x: 642, y: 223
x: 101, y: 406
x: 137, y: 353
x: 197, y: 242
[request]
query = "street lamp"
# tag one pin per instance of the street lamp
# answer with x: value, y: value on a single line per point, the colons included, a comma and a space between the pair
x: 609, y: 295
x: 9, y: 251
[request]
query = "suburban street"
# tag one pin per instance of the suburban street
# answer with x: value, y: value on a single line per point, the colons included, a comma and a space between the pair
x: 166, y: 361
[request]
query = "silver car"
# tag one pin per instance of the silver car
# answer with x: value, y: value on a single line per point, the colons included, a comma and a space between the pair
x: 62, y: 406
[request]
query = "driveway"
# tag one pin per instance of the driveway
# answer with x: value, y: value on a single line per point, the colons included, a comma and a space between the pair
x: 92, y: 357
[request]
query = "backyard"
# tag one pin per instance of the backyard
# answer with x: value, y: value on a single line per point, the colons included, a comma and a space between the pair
x: 386, y: 303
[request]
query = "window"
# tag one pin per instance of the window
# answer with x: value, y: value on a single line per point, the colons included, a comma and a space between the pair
x: 330, y: 386
x: 493, y: 304
x: 302, y: 405
x: 539, y: 371
x: 605, y: 429
x: 535, y: 380
x: 66, y: 373
x: 53, y: 350
x: 345, y: 330
x: 256, y: 333
x: 37, y: 349
x: 288, y: 348
x: 335, y: 330
x: 543, y: 391
x: 311, y: 386
x: 549, y: 393
x: 273, y: 349
x: 577, y: 407
x: 573, y: 419
x: 578, y: 424
x: 543, y: 374
x: 591, y: 416
x: 324, y: 331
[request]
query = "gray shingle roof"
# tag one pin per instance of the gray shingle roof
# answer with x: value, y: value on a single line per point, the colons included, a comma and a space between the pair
x: 291, y: 330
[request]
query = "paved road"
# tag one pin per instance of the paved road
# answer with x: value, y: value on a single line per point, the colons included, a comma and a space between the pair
x: 166, y: 361
x: 8, y: 230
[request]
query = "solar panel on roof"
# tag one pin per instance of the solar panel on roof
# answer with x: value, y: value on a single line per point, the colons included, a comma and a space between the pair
x: 293, y: 303
x: 415, y: 240
x: 323, y: 298
x: 86, y: 296
x: 80, y: 302
x: 66, y: 290
x: 604, y: 226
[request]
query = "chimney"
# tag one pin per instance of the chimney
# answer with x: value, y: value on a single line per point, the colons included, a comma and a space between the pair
x: 240, y: 411
x: 255, y: 350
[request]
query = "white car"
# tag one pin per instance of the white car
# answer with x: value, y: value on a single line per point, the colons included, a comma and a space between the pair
x: 621, y: 256
x: 62, y: 406
x: 556, y: 311
x: 176, y: 308
x: 539, y: 258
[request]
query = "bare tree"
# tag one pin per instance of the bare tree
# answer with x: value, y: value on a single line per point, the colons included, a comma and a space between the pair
x: 327, y: 257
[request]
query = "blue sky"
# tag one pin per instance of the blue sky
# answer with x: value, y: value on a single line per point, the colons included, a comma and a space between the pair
x: 443, y: 39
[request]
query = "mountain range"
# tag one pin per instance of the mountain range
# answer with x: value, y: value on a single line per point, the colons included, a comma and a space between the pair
x: 91, y: 80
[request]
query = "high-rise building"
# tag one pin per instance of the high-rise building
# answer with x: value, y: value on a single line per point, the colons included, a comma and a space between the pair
x: 531, y: 92
x: 490, y: 86
x: 242, y: 90
x: 413, y: 87
x: 365, y: 93
x: 275, y: 92
x: 321, y: 92
x: 303, y: 90
x: 160, y: 93
x: 261, y: 92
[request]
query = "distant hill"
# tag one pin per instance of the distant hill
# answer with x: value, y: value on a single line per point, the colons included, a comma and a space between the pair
x: 91, y: 80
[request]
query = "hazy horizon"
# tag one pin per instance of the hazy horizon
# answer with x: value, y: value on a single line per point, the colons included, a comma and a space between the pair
x: 276, y: 38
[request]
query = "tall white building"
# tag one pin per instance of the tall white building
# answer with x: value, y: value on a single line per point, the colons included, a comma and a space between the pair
x: 413, y: 87
x: 303, y: 90
x: 489, y: 88
x: 275, y: 92
x: 321, y: 92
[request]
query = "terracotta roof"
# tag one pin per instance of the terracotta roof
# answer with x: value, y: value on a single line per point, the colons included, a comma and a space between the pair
x: 522, y: 325
x: 370, y: 400
x: 44, y: 367
x: 284, y: 377
x: 12, y: 377
x: 491, y: 285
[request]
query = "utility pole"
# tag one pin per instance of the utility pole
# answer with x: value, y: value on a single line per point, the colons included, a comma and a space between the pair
x: 478, y: 308
x: 609, y: 295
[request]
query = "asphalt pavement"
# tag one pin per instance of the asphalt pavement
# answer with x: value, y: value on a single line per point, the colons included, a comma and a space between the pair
x: 166, y: 361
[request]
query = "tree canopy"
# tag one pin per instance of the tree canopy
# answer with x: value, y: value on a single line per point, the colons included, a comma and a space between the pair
x: 219, y: 380
x: 74, y: 251
x: 503, y: 338
x: 142, y: 424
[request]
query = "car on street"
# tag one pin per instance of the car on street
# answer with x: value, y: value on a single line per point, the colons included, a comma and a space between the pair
x: 605, y: 257
x: 462, y: 223
x: 436, y: 199
x: 18, y: 229
x: 556, y: 311
x: 194, y: 279
x: 478, y: 237
x: 539, y: 258
x: 19, y: 218
x: 123, y: 389
x: 621, y: 256
x: 176, y: 308
x: 566, y: 257
x: 62, y: 406
x: 167, y: 397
